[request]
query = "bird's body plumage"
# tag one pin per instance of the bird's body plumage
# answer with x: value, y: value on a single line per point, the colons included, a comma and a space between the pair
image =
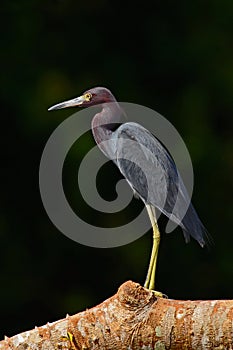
x: 152, y: 174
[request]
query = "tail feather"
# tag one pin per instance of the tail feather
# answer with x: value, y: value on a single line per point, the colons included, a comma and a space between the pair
x: 192, y: 226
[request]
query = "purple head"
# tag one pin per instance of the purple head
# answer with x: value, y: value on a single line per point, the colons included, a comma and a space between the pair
x: 91, y: 97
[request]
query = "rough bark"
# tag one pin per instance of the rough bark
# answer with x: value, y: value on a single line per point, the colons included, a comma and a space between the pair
x: 135, y: 319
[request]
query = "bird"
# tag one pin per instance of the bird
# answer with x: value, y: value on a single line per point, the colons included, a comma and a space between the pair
x: 147, y: 166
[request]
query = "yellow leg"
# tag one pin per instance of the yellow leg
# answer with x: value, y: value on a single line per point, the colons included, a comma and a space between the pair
x: 150, y: 279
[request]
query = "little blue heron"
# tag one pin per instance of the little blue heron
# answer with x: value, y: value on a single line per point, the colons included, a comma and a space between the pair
x: 158, y: 189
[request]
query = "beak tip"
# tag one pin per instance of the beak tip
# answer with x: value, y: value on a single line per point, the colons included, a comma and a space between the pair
x: 52, y: 108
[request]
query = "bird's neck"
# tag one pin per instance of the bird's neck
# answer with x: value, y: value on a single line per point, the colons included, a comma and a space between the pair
x: 105, y: 123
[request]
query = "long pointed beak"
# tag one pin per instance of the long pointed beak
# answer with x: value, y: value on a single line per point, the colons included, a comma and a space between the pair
x: 71, y: 103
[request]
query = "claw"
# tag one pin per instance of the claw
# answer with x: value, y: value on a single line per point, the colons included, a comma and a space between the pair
x: 158, y: 294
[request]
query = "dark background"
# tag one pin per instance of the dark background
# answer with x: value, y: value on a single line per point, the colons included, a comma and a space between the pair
x: 175, y: 57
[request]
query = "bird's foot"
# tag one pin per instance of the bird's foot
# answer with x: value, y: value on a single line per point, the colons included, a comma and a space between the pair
x: 158, y: 294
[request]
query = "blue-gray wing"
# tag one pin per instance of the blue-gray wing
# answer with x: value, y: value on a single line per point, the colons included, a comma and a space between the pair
x: 152, y: 174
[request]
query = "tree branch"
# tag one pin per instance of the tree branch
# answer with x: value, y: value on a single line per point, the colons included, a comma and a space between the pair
x: 135, y: 319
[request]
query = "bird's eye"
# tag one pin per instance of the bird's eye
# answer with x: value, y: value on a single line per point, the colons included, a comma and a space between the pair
x: 88, y: 96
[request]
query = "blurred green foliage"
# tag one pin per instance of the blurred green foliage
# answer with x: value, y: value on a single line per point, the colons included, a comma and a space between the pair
x: 175, y: 57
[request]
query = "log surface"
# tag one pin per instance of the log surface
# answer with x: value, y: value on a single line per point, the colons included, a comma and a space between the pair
x: 135, y: 319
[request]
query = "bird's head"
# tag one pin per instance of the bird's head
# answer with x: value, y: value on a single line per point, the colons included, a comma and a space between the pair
x: 91, y: 97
